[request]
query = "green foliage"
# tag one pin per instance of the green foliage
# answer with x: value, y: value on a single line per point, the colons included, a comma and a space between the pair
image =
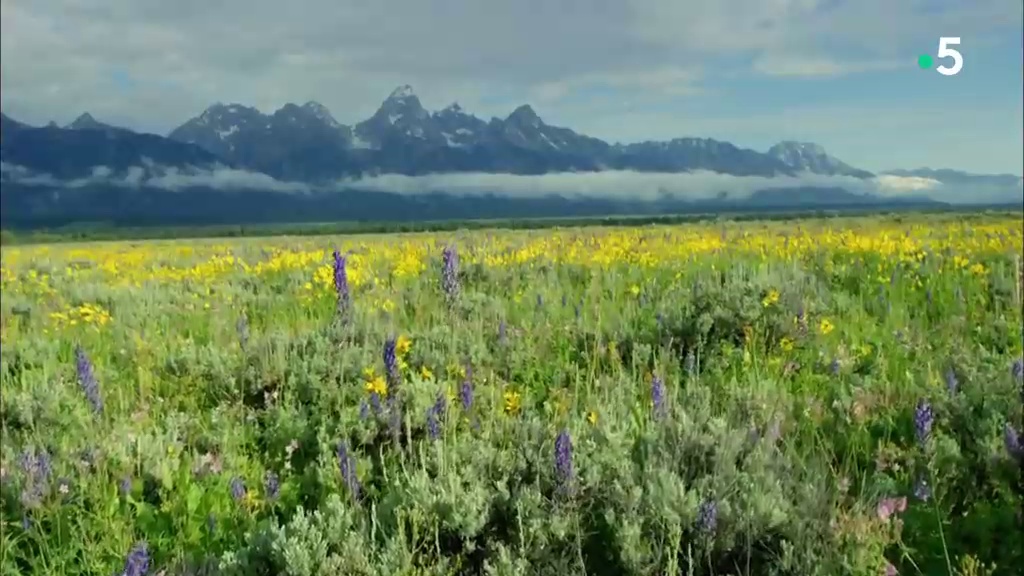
x: 796, y: 452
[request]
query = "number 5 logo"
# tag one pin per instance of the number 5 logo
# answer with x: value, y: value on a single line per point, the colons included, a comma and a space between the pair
x: 944, y: 50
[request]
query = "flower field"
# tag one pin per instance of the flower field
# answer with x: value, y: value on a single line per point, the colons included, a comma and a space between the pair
x: 814, y: 397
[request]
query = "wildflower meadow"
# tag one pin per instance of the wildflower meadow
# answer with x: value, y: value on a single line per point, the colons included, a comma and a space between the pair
x: 827, y: 397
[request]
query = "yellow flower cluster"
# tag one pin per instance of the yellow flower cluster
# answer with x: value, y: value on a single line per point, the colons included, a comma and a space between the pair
x: 85, y: 314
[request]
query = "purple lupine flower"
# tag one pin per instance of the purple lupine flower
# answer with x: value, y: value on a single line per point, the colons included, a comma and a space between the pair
x: 450, y: 274
x: 540, y: 301
x: 1011, y: 439
x: 658, y: 396
x: 924, y: 417
x: 563, y: 459
x: 87, y: 380
x: 242, y: 328
x: 433, y: 426
x: 237, y: 488
x: 1017, y: 369
x: 137, y: 562
x: 364, y: 409
x: 391, y: 364
x: 375, y: 403
x: 341, y: 284
x: 394, y: 416
x: 577, y: 311
x: 44, y: 464
x: 922, y: 491
x: 502, y: 333
x: 347, y: 467
x: 38, y: 468
x: 928, y: 295
x: 211, y: 523
x: 707, y: 516
x: 434, y: 416
x: 564, y: 301
x: 466, y: 390
x: 125, y: 485
x: 272, y: 485
x: 834, y: 367
x: 952, y: 383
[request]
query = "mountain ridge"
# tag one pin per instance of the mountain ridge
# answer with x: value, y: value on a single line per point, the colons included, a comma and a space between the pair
x: 306, y: 143
x: 234, y: 147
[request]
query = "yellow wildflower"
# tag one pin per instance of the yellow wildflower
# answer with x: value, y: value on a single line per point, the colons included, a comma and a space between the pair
x: 770, y: 298
x: 425, y: 373
x: 513, y: 402
x: 786, y: 344
x: 377, y: 385
x: 826, y: 326
x: 402, y: 345
x: 592, y: 417
x: 456, y: 371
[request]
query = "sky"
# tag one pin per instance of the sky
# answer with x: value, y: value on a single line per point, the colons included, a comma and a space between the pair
x: 841, y: 73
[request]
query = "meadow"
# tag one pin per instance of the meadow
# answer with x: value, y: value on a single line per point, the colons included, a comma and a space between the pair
x: 817, y: 397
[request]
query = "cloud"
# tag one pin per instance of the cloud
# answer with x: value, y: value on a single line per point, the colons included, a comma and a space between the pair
x: 818, y: 66
x: 666, y: 81
x: 643, y: 186
x: 612, y: 184
x: 153, y: 176
x: 60, y: 56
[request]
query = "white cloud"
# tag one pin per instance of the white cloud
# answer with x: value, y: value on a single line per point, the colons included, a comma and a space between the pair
x: 62, y: 56
x: 622, y: 185
x: 818, y: 66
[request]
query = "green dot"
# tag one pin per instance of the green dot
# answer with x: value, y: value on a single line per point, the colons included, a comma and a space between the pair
x: 924, y: 61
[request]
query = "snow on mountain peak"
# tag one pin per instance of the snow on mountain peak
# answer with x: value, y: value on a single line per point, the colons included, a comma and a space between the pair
x: 321, y: 112
x: 403, y: 91
x: 454, y: 108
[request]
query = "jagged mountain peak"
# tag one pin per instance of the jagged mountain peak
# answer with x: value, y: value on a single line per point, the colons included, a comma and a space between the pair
x: 811, y: 157
x: 320, y: 111
x: 525, y: 114
x: 402, y: 137
x: 453, y: 108
x: 85, y: 121
x: 796, y: 146
x: 219, y: 109
x: 403, y: 91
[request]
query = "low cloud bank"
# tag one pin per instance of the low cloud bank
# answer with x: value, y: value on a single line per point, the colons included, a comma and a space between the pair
x: 612, y: 184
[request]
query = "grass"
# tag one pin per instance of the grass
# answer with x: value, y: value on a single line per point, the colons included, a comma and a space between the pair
x: 814, y: 397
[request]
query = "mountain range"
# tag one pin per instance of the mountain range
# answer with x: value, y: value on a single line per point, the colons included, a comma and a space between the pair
x: 303, y: 147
